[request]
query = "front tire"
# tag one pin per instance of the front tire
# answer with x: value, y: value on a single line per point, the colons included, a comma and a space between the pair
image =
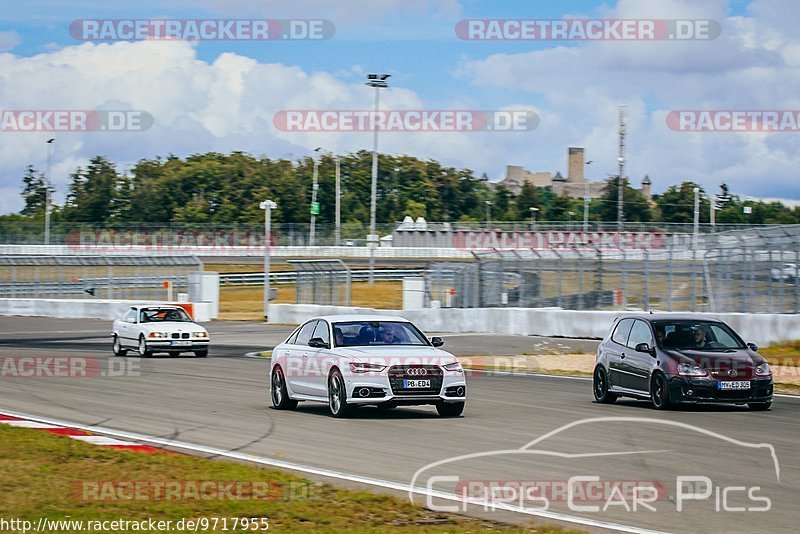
x: 759, y: 406
x: 450, y: 409
x: 143, y: 352
x: 117, y: 347
x: 600, y: 387
x: 201, y: 353
x: 659, y: 392
x: 337, y: 396
x: 278, y: 392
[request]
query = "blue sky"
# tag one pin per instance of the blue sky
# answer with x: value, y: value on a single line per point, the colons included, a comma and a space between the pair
x: 221, y: 95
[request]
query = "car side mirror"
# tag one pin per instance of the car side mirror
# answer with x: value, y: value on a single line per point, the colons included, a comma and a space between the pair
x: 644, y: 347
x: 317, y: 343
x: 437, y: 341
x: 753, y: 347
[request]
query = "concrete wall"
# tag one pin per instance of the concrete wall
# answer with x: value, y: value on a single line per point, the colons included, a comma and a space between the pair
x: 761, y: 329
x: 84, y: 308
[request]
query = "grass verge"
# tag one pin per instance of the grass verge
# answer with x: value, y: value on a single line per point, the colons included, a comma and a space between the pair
x: 45, y: 475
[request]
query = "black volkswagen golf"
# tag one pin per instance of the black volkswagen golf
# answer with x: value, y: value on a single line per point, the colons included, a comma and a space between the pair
x: 671, y: 359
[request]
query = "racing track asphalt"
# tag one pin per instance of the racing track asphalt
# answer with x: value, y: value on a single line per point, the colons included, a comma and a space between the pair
x: 222, y: 402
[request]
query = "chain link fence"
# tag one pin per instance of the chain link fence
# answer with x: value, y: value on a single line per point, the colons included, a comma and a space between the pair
x: 754, y: 270
x: 323, y: 282
x: 95, y: 277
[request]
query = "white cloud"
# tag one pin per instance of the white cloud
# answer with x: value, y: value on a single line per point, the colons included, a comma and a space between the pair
x: 752, y: 65
x: 9, y: 40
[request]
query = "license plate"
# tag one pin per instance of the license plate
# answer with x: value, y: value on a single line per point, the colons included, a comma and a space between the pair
x: 733, y: 384
x: 409, y: 384
x: 181, y: 343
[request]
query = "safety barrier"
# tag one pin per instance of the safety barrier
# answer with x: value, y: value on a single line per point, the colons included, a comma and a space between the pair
x: 762, y: 328
x: 90, y: 308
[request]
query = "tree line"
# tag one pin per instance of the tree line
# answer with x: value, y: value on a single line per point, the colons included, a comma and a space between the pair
x: 227, y: 188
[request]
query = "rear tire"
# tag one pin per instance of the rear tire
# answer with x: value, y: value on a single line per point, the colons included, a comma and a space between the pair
x: 450, y: 409
x: 117, y: 347
x: 759, y: 406
x: 337, y: 396
x: 600, y: 387
x: 143, y: 352
x: 659, y: 392
x: 278, y: 392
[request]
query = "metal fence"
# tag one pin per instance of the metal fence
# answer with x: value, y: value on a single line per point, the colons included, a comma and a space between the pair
x: 88, y: 277
x: 325, y: 282
x: 753, y: 270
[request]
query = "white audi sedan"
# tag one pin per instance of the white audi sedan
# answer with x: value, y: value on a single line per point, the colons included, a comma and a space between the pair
x: 149, y: 329
x: 357, y: 360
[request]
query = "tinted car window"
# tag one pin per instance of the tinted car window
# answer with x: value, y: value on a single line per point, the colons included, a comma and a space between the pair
x: 640, y: 333
x: 620, y: 334
x: 306, y: 333
x: 321, y: 331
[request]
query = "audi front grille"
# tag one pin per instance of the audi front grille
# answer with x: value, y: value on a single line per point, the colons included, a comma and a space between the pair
x: 399, y: 373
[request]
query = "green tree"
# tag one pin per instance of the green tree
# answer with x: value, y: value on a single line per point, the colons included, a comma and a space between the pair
x: 635, y: 207
x: 677, y: 204
x: 34, y: 192
x: 92, y: 193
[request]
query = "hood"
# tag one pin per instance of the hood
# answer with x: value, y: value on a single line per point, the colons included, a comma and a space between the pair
x: 172, y: 327
x: 397, y: 355
x: 719, y: 362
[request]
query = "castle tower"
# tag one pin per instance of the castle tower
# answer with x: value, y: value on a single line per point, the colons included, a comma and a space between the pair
x: 646, y: 186
x: 575, y: 165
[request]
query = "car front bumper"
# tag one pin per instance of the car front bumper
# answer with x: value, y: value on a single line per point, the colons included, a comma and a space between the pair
x: 702, y: 390
x: 376, y: 389
x: 168, y: 345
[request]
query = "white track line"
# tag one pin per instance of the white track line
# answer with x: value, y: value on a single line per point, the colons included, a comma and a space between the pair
x: 329, y: 473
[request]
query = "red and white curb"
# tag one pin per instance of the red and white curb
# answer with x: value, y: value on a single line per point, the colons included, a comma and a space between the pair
x: 75, y: 433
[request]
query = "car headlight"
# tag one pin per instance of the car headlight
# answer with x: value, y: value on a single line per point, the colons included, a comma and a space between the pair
x: 691, y: 369
x: 454, y: 367
x: 360, y: 367
x: 158, y: 334
x: 763, y: 370
x: 200, y: 334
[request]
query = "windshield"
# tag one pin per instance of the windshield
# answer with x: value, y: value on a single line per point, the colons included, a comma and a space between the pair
x: 363, y: 333
x: 698, y: 335
x: 164, y: 315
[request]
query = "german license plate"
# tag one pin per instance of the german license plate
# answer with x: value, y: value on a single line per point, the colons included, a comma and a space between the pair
x: 733, y: 384
x: 411, y: 384
x: 182, y: 343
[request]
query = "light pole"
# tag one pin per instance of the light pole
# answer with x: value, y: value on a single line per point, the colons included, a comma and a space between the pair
x: 314, y: 206
x: 488, y: 214
x: 587, y: 199
x: 620, y: 194
x: 533, y: 218
x: 267, y: 206
x: 378, y: 81
x: 696, y: 216
x: 47, y: 191
x: 338, y: 218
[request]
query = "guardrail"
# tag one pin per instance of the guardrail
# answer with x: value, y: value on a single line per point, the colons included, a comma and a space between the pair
x: 290, y: 277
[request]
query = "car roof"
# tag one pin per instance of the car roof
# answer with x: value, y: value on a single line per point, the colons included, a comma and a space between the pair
x: 156, y: 307
x: 363, y: 317
x: 669, y: 317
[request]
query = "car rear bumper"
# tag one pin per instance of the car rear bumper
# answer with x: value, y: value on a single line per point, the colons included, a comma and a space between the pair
x: 697, y: 390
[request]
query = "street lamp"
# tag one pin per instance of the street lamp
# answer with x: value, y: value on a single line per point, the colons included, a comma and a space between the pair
x: 696, y: 191
x: 378, y: 81
x: 533, y: 218
x: 587, y: 199
x: 338, y: 217
x: 47, y: 192
x: 314, y: 205
x: 267, y: 206
x: 620, y: 194
x: 488, y: 214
